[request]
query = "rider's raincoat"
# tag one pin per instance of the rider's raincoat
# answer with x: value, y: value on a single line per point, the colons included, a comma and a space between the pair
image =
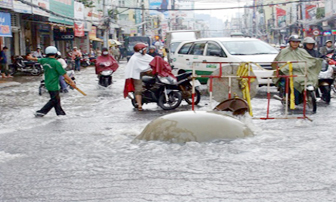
x: 313, y: 67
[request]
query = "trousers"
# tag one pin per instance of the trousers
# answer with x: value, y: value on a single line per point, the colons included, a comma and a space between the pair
x: 54, y: 102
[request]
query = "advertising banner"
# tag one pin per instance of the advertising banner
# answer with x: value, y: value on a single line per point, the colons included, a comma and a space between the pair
x: 311, y: 11
x: 79, y: 14
x: 5, y: 25
x: 43, y: 4
x: 281, y: 17
x: 63, y: 7
x: 21, y: 7
x: 6, y: 4
x: 159, y: 4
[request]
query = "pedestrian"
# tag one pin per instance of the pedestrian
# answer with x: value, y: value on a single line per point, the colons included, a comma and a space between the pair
x: 37, y: 53
x: 116, y: 52
x: 138, y: 64
x: 52, y: 70
x: 76, y: 56
x: 3, y: 63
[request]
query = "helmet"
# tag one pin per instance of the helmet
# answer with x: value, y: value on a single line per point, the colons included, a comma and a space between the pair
x: 139, y: 47
x: 105, y: 51
x: 152, y: 47
x: 283, y: 45
x: 308, y: 40
x: 294, y: 38
x: 51, y: 50
x: 59, y: 54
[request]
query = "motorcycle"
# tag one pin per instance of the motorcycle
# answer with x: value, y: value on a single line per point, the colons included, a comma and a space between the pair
x: 326, y: 79
x: 184, y: 81
x: 105, y: 66
x: 309, y: 96
x: 70, y: 73
x: 85, y: 60
x: 161, y: 90
x: 25, y: 66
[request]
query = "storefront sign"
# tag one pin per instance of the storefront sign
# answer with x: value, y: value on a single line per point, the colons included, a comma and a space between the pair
x: 63, y: 7
x: 41, y: 3
x: 64, y: 36
x: 21, y: 7
x: 333, y: 32
x: 79, y: 29
x: 327, y: 33
x: 5, y: 25
x: 6, y: 4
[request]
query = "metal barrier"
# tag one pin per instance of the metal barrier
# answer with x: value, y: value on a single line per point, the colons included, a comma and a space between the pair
x: 289, y: 84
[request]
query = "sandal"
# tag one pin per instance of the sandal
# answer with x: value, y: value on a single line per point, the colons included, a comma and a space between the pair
x: 140, y: 109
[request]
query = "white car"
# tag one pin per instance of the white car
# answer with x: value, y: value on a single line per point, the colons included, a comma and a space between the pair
x: 225, y: 50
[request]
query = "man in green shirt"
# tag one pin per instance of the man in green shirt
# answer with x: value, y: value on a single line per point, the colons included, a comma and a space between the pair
x: 52, y: 70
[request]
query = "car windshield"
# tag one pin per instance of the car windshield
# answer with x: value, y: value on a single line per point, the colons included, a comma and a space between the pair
x: 173, y: 46
x: 255, y: 47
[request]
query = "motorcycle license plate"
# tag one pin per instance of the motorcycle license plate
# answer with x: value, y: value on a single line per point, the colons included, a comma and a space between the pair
x: 196, y: 83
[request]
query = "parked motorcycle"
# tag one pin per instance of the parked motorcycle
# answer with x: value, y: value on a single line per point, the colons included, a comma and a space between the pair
x: 105, y: 66
x: 161, y: 90
x: 70, y: 73
x: 85, y: 60
x: 25, y: 66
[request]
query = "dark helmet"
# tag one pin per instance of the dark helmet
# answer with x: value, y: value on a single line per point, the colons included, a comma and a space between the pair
x: 294, y: 38
x: 139, y: 47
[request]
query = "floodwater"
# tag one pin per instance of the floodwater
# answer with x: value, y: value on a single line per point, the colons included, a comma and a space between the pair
x: 88, y: 155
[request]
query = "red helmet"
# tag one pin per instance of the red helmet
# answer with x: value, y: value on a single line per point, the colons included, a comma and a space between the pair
x: 139, y: 46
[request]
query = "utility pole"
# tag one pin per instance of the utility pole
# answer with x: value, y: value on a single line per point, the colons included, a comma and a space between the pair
x: 143, y: 17
x: 106, y: 23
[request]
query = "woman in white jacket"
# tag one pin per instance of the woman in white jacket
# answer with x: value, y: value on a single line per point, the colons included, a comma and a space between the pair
x: 64, y: 86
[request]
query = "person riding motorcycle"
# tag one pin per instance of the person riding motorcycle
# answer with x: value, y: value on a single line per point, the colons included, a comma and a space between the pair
x: 294, y: 53
x: 138, y: 63
x: 104, y: 58
x: 152, y: 52
x: 309, y: 45
x: 328, y: 48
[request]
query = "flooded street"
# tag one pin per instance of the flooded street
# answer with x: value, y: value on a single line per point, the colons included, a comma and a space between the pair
x: 88, y: 155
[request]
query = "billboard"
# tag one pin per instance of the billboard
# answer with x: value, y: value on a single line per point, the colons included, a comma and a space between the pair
x: 159, y: 4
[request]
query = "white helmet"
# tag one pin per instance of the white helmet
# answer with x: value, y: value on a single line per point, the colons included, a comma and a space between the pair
x: 51, y: 50
x: 59, y: 54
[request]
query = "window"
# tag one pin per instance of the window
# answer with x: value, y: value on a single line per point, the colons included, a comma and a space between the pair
x: 214, y: 49
x: 197, y: 49
x: 185, y: 48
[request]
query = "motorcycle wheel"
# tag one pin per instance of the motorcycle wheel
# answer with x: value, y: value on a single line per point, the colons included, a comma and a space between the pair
x: 197, y: 98
x: 325, y: 90
x: 36, y: 70
x: 174, y: 100
x: 333, y: 86
x: 12, y: 70
x: 311, y: 101
x: 84, y: 64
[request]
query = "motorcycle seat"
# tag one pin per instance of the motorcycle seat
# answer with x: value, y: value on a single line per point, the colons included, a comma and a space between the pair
x: 183, y: 76
x: 148, y: 80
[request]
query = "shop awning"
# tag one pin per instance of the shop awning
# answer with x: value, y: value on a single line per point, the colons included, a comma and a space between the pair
x: 96, y: 39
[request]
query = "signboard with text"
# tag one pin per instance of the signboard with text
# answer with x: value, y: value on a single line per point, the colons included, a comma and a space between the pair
x: 63, y: 7
x: 5, y: 25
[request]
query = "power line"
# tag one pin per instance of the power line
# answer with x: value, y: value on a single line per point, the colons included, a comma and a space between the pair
x: 235, y: 7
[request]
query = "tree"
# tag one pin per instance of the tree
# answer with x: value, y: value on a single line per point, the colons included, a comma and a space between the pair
x: 87, y: 3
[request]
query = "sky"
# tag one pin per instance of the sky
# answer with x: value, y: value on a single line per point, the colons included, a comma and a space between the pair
x: 220, y: 14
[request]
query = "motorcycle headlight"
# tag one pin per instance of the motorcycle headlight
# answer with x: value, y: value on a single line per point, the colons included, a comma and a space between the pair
x: 106, y: 72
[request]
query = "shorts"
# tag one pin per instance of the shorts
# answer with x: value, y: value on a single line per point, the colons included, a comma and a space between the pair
x: 137, y: 86
x: 3, y: 67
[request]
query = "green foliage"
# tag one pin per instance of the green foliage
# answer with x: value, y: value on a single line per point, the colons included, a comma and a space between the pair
x: 320, y: 13
x: 87, y: 3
